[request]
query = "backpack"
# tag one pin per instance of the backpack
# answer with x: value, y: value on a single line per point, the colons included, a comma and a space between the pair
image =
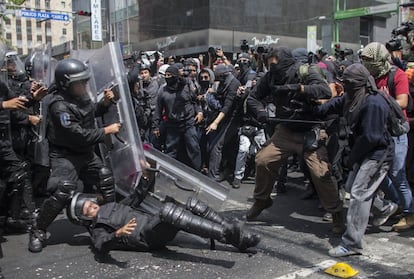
x: 397, y: 123
x: 391, y: 87
x: 304, y: 72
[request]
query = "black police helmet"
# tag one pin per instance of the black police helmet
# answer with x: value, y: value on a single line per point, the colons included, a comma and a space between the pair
x: 70, y: 70
x: 75, y: 210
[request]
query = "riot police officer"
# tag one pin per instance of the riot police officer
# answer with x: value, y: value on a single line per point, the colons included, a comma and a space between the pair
x: 72, y: 136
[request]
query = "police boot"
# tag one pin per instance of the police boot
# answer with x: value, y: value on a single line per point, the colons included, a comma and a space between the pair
x: 106, y: 184
x: 188, y: 222
x: 201, y: 209
x: 26, y: 185
x: 50, y: 208
x: 13, y: 223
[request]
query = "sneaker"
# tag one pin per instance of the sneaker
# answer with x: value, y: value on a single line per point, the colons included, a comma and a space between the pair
x: 36, y: 240
x: 257, y: 208
x: 405, y: 223
x: 327, y: 217
x: 236, y: 183
x: 383, y: 217
x: 341, y: 251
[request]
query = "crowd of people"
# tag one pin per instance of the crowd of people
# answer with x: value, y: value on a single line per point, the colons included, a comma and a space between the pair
x: 229, y: 121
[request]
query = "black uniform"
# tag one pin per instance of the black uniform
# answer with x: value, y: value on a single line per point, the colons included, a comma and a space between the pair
x: 13, y: 174
x: 158, y: 223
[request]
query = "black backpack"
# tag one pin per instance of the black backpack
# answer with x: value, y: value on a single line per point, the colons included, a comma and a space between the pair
x: 397, y: 123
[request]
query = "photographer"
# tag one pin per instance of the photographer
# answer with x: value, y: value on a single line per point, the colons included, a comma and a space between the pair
x: 216, y: 56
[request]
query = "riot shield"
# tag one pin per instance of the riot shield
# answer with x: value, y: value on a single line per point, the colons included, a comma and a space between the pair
x: 42, y: 72
x: 42, y: 65
x: 3, y: 72
x: 181, y: 182
x: 123, y: 151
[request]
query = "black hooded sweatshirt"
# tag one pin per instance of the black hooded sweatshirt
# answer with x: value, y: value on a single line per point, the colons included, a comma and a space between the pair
x: 290, y: 103
x: 366, y: 113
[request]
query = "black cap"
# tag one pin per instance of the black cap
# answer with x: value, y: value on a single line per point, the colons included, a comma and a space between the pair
x: 173, y: 70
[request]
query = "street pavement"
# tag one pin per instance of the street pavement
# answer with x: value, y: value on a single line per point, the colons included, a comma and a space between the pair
x: 294, y: 244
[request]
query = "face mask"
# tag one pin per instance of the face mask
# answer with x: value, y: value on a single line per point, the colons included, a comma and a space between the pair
x: 204, y: 83
x: 171, y: 81
x: 221, y: 78
x: 244, y: 66
x: 373, y: 68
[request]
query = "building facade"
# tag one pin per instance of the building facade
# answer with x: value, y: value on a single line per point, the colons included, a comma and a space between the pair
x: 24, y: 33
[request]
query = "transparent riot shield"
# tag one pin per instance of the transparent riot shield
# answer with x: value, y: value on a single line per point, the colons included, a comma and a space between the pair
x: 42, y: 65
x: 3, y: 72
x: 181, y: 182
x: 124, y: 150
x: 14, y: 65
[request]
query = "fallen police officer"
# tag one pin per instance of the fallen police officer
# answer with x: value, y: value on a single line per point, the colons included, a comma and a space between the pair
x: 152, y: 224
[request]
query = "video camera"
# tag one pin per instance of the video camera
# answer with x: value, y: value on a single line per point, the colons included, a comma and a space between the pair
x: 244, y: 46
x: 404, y: 29
x: 342, y: 53
x: 394, y: 44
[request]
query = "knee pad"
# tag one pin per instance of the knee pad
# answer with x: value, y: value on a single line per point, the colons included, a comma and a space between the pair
x: 105, y: 177
x: 107, y: 184
x: 65, y: 190
x: 18, y: 179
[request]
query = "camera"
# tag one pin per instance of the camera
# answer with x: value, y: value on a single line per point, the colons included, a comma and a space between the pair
x: 244, y: 46
x: 394, y: 44
x: 404, y: 29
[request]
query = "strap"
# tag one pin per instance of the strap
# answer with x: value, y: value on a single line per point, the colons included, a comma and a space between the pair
x: 390, y: 80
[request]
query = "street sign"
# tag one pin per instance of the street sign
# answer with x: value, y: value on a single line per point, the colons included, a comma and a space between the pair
x: 43, y: 15
x: 372, y: 10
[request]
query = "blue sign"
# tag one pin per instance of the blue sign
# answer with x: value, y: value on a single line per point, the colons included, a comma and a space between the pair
x: 44, y: 15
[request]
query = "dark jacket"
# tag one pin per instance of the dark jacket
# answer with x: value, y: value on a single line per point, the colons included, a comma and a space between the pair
x: 113, y: 216
x: 5, y: 135
x: 71, y: 124
x: 366, y: 113
x: 179, y: 105
x: 289, y: 101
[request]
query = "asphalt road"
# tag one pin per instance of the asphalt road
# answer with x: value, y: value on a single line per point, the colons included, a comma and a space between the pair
x: 294, y: 244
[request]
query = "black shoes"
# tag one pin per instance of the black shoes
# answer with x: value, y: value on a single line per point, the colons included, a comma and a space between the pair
x: 257, y: 208
x: 36, y: 240
x: 236, y: 183
x: 241, y: 239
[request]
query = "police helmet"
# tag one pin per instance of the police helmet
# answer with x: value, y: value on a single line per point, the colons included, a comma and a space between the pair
x: 70, y: 70
x: 75, y: 210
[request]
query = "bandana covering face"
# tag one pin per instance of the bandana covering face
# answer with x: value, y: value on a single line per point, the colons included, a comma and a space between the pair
x: 375, y: 57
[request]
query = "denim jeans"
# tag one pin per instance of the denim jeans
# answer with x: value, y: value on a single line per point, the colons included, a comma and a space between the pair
x: 363, y: 181
x: 395, y: 185
x: 244, y: 148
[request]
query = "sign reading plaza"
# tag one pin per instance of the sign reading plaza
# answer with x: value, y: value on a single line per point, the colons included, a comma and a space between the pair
x: 43, y: 15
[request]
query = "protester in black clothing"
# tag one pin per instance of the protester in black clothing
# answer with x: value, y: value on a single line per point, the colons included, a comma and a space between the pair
x: 246, y: 72
x: 179, y: 105
x: 72, y: 136
x: 293, y: 99
x: 225, y: 126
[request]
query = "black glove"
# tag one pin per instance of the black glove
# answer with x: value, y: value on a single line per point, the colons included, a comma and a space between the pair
x: 286, y: 88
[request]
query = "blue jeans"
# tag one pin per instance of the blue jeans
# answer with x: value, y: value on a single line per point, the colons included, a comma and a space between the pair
x: 362, y: 192
x: 395, y: 185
